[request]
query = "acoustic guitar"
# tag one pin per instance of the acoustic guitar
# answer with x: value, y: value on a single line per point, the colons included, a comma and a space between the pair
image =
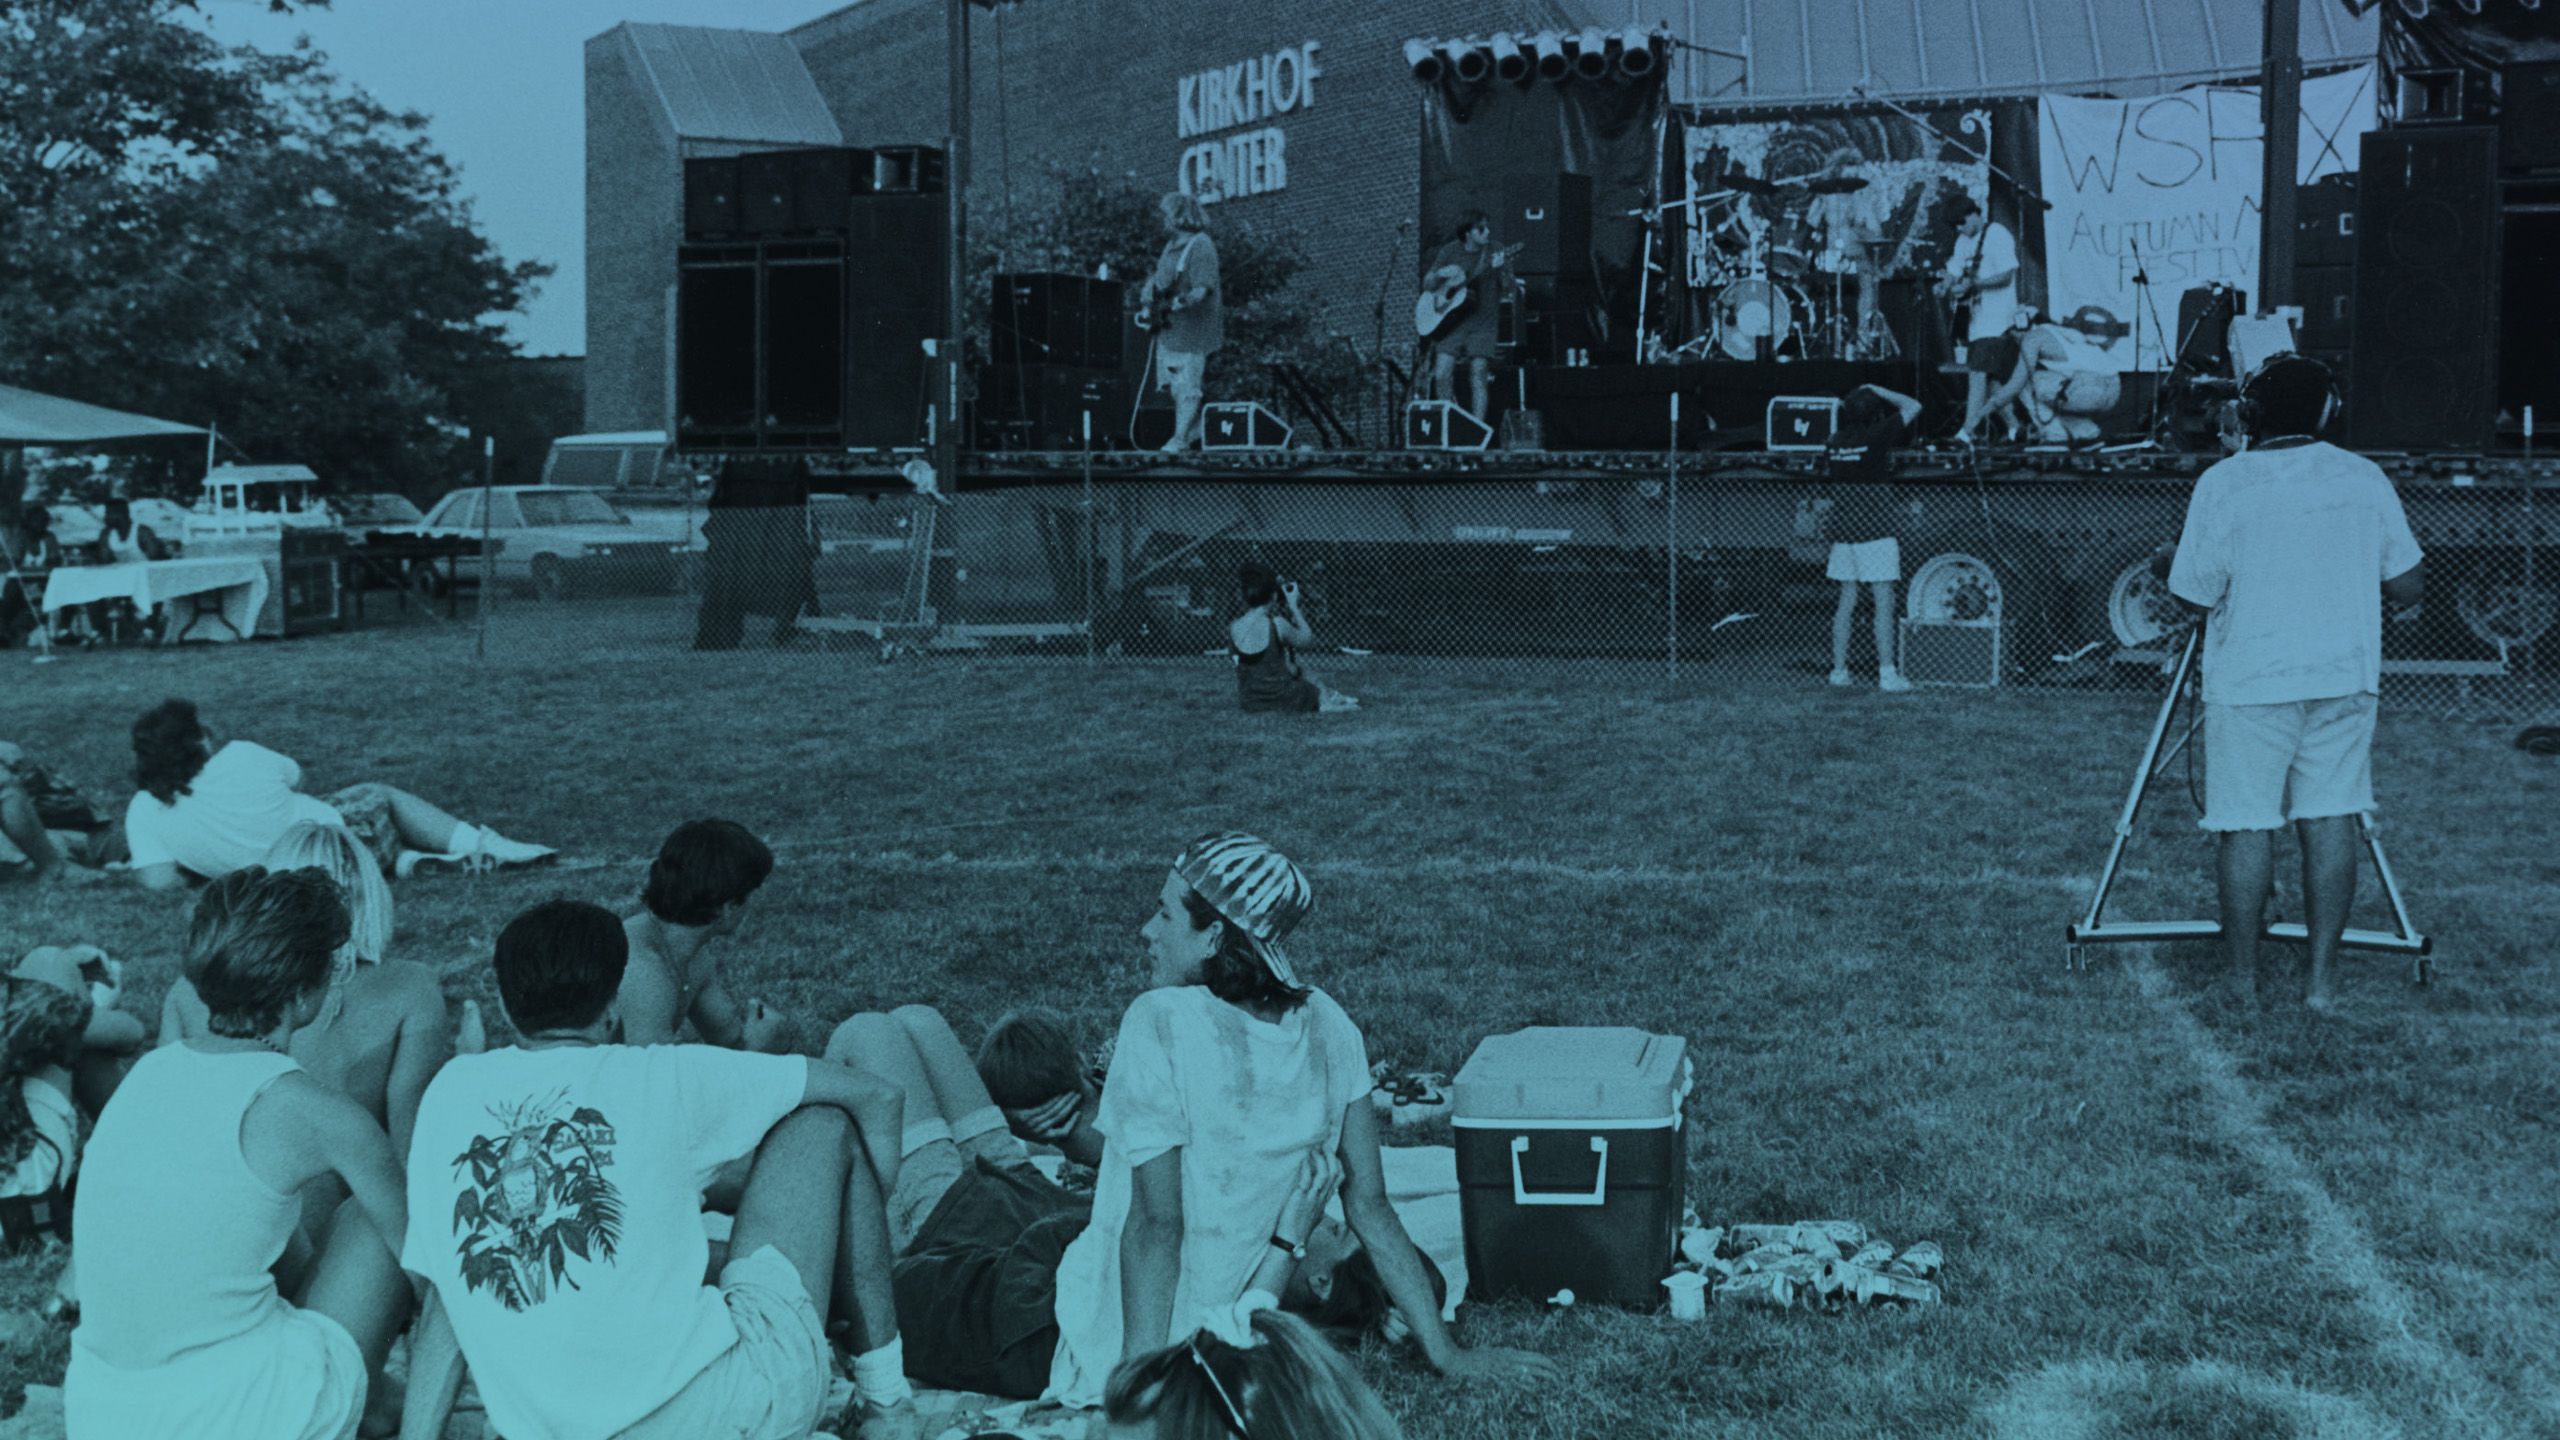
x: 1438, y: 307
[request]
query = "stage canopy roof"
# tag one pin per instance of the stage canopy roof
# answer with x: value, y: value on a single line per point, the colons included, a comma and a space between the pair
x: 27, y: 418
x: 743, y: 86
x: 1815, y: 50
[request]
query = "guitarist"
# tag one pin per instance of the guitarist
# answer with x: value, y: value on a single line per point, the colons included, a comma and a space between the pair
x: 1470, y: 335
x: 1183, y: 304
x: 1981, y: 278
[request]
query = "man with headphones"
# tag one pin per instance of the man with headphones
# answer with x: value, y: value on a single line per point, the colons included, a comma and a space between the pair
x: 2290, y: 547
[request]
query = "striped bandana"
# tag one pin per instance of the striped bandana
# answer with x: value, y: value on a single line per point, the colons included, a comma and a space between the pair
x: 1254, y: 886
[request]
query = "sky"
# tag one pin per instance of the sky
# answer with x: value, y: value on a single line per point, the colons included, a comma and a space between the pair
x: 503, y: 85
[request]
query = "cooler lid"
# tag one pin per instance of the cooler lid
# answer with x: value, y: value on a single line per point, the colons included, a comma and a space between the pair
x: 1574, y: 1074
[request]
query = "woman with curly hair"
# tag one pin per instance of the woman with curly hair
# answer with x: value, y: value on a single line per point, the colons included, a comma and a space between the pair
x: 206, y: 808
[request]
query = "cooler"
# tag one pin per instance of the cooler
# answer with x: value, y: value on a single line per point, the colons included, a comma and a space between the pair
x: 1572, y: 1163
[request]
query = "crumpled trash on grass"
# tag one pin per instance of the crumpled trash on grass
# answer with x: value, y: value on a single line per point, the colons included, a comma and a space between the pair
x: 1812, y: 1264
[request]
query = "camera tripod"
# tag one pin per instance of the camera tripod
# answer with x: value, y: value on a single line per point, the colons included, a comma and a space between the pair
x: 2093, y: 929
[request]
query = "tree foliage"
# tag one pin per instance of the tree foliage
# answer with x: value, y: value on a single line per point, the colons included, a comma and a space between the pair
x: 210, y: 233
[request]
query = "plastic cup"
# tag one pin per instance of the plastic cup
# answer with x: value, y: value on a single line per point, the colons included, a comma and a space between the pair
x: 1688, y: 1295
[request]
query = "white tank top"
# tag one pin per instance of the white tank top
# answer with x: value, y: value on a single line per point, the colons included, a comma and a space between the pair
x: 177, y: 1234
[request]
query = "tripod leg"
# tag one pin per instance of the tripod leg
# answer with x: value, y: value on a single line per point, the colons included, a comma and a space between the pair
x: 2142, y: 777
x: 2391, y: 892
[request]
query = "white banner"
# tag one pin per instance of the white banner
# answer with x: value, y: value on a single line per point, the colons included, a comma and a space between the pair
x: 2168, y: 186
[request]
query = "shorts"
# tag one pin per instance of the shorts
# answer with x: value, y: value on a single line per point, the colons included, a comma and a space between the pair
x: 2302, y: 760
x: 1473, y: 340
x: 366, y: 811
x: 1181, y: 371
x: 296, y: 1376
x: 977, y: 1298
x: 1992, y: 355
x: 772, y: 1384
x: 1865, y: 562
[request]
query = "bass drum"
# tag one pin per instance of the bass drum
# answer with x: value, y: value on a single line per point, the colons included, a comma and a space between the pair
x: 1749, y: 310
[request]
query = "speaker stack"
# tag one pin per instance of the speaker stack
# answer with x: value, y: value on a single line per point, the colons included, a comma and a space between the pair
x: 1057, y: 350
x: 806, y: 286
x: 2425, y: 327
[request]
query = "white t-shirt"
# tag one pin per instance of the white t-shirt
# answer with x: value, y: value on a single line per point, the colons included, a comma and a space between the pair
x: 56, y: 1151
x: 233, y: 812
x: 1994, y: 306
x: 1245, y: 1102
x: 2289, y: 549
x: 572, y: 1178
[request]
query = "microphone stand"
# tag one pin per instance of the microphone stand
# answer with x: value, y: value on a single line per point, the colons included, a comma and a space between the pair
x: 1378, y: 346
x: 2159, y: 387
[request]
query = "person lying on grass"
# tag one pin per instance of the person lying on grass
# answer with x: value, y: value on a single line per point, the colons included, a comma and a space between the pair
x: 980, y: 1232
x: 555, y: 1189
x: 190, y: 1322
x: 45, y: 821
x: 206, y: 809
x: 1286, y: 1381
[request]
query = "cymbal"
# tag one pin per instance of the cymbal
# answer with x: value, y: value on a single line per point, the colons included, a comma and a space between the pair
x: 1747, y: 184
x: 1835, y: 185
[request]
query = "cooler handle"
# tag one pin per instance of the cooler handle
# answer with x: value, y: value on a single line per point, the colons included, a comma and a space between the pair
x: 1599, y: 1182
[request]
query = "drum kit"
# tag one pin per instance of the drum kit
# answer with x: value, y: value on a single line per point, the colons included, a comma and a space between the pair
x: 1801, y: 286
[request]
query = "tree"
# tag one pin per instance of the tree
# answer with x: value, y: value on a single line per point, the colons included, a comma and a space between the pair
x: 1079, y: 218
x: 219, y: 235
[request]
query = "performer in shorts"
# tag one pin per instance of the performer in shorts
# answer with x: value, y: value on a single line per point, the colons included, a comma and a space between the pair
x: 1186, y: 304
x: 1468, y: 258
x: 2289, y: 550
x: 1864, y: 548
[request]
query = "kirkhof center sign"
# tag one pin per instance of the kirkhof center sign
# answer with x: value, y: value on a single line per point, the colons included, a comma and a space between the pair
x: 1225, y: 97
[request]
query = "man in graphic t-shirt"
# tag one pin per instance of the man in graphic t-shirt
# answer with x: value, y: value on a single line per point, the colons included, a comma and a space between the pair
x: 2289, y: 550
x: 555, y: 1191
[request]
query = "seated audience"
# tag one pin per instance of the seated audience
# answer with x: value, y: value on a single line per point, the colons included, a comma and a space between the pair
x: 1287, y: 1382
x: 121, y: 541
x: 1265, y: 641
x: 980, y: 1231
x: 208, y: 809
x: 28, y: 554
x: 54, y: 1082
x: 697, y: 894
x: 556, y: 1188
x: 190, y: 1189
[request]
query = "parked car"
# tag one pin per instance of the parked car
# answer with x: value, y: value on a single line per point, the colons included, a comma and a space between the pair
x: 381, y: 511
x: 556, y: 541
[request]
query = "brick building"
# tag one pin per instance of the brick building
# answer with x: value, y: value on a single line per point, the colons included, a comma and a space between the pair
x: 1116, y: 83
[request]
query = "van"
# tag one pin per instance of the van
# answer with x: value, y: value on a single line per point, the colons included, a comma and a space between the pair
x: 625, y: 464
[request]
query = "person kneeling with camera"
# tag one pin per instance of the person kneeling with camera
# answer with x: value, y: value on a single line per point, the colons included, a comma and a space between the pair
x: 1265, y: 640
x: 2289, y: 549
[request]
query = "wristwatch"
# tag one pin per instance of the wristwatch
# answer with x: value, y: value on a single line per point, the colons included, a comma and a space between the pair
x: 1295, y: 1251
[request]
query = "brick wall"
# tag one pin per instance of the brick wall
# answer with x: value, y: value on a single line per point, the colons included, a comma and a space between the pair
x: 1087, y: 82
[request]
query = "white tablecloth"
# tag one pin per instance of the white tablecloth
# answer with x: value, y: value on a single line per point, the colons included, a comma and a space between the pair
x: 240, y: 584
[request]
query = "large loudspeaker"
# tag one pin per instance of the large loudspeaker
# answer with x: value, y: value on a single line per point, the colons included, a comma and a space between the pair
x: 1043, y: 407
x: 802, y: 343
x: 1056, y: 320
x: 2327, y: 295
x: 2203, y: 342
x: 2426, y: 330
x: 2529, y: 117
x: 797, y: 192
x: 893, y: 305
x: 717, y: 350
x: 1551, y: 216
x: 712, y: 206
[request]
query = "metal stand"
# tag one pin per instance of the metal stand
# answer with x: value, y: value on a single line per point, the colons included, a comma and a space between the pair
x: 2091, y: 929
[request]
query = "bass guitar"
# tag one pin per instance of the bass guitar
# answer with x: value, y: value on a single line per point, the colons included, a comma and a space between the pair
x: 1438, y: 307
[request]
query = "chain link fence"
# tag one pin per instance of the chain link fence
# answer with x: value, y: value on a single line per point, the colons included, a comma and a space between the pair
x: 1629, y: 574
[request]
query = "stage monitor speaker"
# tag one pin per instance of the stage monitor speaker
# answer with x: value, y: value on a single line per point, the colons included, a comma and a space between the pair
x: 2204, y: 328
x: 2529, y: 117
x: 893, y: 305
x: 2325, y: 222
x: 717, y: 353
x: 1443, y: 425
x: 1801, y: 422
x: 712, y: 208
x: 801, y: 344
x: 1244, y: 425
x: 2327, y: 294
x: 2425, y: 324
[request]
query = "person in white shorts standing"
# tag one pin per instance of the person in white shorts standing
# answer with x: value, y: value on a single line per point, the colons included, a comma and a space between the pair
x: 1864, y: 549
x: 2289, y: 550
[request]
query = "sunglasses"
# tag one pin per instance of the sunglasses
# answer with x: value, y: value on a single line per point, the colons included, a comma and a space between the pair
x: 1158, y: 1374
x: 1226, y: 1402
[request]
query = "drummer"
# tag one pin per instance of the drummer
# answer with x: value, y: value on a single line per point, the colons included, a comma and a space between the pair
x: 1848, y: 237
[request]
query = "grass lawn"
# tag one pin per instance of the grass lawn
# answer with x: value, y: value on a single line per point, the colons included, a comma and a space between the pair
x: 2161, y: 1217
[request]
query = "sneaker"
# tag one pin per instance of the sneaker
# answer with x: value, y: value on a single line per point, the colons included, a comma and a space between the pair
x: 1892, y: 683
x: 1843, y: 677
x: 502, y: 851
x: 420, y: 862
